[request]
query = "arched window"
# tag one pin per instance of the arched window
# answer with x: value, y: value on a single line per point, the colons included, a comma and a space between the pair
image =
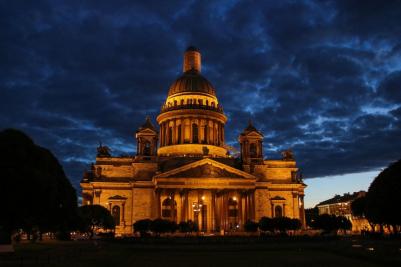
x: 252, y: 150
x: 195, y: 134
x: 175, y: 103
x: 146, y: 149
x: 205, y: 132
x: 212, y: 104
x: 115, y: 212
x: 278, y: 211
x: 182, y: 102
x: 170, y: 135
x: 232, y: 207
x: 179, y: 134
x: 169, y: 208
x: 207, y: 102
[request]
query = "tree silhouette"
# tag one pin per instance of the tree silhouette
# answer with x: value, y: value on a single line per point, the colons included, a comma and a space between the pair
x: 34, y: 190
x: 383, y: 205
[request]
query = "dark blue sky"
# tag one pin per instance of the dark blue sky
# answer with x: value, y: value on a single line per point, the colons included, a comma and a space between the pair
x: 320, y: 77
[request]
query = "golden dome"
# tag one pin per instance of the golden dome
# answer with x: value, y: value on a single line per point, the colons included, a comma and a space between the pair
x: 191, y: 82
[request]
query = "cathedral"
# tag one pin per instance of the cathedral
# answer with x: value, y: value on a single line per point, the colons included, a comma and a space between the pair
x: 183, y: 170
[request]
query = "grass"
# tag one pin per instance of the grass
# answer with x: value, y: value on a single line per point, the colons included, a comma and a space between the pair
x: 209, y: 252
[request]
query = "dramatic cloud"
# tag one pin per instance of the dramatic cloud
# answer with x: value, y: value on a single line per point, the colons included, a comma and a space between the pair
x: 320, y: 77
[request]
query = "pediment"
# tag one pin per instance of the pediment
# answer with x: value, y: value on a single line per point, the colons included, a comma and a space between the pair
x: 254, y: 134
x: 146, y: 131
x: 206, y: 168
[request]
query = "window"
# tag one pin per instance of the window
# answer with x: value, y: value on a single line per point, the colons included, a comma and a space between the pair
x: 195, y: 138
x: 115, y: 212
x: 179, y: 134
x: 205, y: 132
x: 182, y: 102
x: 170, y: 135
x: 278, y: 211
x: 232, y: 208
x: 169, y: 208
x: 252, y: 150
x: 146, y: 149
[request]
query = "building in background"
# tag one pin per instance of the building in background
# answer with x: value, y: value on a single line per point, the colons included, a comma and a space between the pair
x: 341, y: 206
x: 183, y: 169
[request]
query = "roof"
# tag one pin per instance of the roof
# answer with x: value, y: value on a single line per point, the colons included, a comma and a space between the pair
x: 341, y: 199
x: 250, y: 128
x: 191, y: 81
x: 192, y: 48
x: 147, y: 125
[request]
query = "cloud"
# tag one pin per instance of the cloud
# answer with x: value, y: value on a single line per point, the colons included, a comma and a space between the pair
x: 321, y: 77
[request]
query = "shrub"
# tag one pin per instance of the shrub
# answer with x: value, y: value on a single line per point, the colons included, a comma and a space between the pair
x: 251, y: 226
x: 142, y: 226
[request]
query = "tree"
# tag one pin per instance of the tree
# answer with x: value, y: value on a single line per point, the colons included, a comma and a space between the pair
x: 310, y: 215
x: 266, y: 224
x: 327, y: 223
x: 34, y: 189
x: 161, y: 226
x: 251, y: 226
x: 95, y: 217
x: 187, y: 227
x: 295, y: 224
x: 383, y: 205
x: 343, y: 223
x: 358, y: 206
x: 142, y: 226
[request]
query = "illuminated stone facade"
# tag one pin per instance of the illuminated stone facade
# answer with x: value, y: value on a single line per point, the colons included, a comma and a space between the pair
x: 183, y: 169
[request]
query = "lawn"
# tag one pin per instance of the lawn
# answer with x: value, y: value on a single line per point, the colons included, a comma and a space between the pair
x: 209, y: 252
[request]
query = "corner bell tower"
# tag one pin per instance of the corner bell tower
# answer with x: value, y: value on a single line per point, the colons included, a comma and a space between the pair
x: 146, y: 137
x: 251, y: 142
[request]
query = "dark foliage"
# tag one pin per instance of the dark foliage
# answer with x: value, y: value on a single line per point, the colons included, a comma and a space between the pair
x: 187, y: 227
x: 142, y: 226
x: 94, y: 217
x: 161, y: 226
x: 281, y: 224
x: 383, y: 205
x: 331, y: 223
x: 34, y: 190
x: 251, y: 226
x: 311, y: 215
x: 358, y: 206
x: 266, y: 224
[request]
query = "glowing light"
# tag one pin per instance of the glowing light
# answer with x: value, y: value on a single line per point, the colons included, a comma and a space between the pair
x: 203, y: 197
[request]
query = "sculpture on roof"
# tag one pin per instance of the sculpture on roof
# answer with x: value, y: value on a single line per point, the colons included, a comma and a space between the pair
x: 287, y: 154
x: 103, y: 151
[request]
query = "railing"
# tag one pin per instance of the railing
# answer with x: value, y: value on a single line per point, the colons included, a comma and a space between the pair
x: 217, y: 108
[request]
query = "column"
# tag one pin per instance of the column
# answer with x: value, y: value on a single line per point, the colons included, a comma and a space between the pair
x: 302, y: 211
x: 246, y: 206
x: 173, y: 207
x: 213, y: 210
x: 190, y: 130
x: 182, y: 201
x: 158, y: 203
x: 222, y: 133
x: 186, y: 206
x: 123, y: 215
x: 252, y: 205
x: 162, y: 134
x: 240, y: 219
x: 167, y: 133
x: 174, y: 132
